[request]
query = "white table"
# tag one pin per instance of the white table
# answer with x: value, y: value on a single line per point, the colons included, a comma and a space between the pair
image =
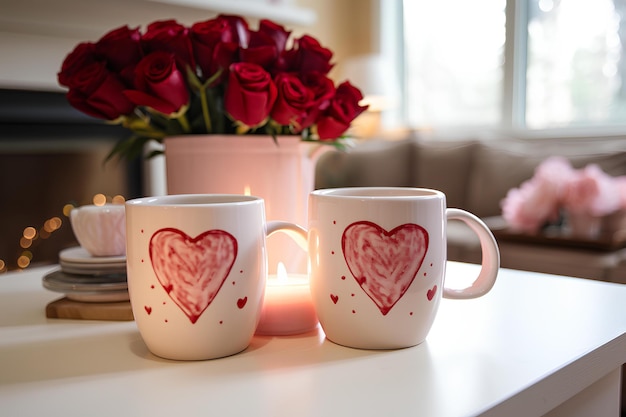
x: 536, y: 344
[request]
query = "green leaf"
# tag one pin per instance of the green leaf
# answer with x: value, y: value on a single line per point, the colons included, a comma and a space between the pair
x: 128, y: 149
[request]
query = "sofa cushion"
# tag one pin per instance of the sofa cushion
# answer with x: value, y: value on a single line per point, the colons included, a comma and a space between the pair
x: 374, y: 163
x: 501, y: 165
x: 444, y: 166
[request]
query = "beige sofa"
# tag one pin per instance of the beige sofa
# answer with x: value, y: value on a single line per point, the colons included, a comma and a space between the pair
x: 476, y: 174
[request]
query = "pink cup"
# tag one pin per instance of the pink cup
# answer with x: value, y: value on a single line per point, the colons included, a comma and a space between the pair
x: 100, y: 230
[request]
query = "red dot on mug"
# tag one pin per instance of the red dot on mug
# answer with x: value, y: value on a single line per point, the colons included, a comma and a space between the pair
x: 353, y: 312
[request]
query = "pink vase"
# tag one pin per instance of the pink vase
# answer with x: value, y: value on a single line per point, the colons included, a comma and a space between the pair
x: 281, y: 173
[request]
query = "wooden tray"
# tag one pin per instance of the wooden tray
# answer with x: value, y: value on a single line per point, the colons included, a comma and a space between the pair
x: 595, y: 244
x: 555, y: 237
x: 65, y: 308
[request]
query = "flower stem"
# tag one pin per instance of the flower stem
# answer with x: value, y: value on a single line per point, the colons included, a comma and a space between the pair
x: 205, y: 110
x: 184, y: 123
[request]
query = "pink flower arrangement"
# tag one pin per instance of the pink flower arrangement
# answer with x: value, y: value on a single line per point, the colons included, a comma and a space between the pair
x: 216, y: 76
x: 558, y: 188
x: 591, y: 191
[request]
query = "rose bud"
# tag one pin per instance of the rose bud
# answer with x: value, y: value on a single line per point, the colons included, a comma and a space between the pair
x: 250, y: 94
x: 343, y: 109
x: 159, y: 84
x: 99, y: 93
x: 293, y: 102
x: 170, y: 36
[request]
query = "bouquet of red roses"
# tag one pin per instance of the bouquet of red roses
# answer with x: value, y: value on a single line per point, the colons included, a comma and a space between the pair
x: 217, y: 76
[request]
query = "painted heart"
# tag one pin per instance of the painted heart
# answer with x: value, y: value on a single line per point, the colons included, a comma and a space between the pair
x: 192, y: 270
x: 431, y: 293
x: 241, y: 303
x: 384, y: 263
x: 335, y: 298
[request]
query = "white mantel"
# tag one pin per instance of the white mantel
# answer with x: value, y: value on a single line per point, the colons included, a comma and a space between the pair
x: 36, y: 35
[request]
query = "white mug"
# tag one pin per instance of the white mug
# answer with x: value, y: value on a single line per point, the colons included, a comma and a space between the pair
x: 377, y: 259
x: 100, y: 230
x: 197, y: 268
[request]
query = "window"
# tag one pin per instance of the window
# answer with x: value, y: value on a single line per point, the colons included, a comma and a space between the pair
x: 573, y: 75
x: 535, y: 64
x: 454, y: 61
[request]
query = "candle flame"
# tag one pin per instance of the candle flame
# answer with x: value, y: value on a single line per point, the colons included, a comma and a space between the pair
x: 281, y: 273
x: 246, y: 190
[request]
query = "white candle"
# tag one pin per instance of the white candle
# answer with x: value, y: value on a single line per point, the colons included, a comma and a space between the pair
x: 288, y: 306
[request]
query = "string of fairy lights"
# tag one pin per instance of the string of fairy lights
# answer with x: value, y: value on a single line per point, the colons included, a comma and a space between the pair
x: 33, y: 236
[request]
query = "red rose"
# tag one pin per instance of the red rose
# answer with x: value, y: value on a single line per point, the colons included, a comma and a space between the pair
x: 250, y: 94
x: 214, y: 46
x: 170, y: 36
x: 266, y: 44
x: 120, y: 48
x: 239, y: 29
x: 98, y: 93
x: 307, y: 55
x: 159, y: 84
x: 343, y: 109
x: 261, y: 51
x: 322, y: 89
x: 277, y: 32
x: 293, y: 102
x: 82, y: 55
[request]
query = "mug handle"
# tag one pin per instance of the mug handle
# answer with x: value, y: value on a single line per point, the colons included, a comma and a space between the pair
x: 490, y: 260
x: 298, y: 233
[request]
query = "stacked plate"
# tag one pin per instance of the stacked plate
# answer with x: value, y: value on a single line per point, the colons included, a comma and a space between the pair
x: 78, y: 261
x: 87, y: 278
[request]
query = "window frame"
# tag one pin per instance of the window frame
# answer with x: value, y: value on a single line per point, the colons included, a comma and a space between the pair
x: 513, y: 109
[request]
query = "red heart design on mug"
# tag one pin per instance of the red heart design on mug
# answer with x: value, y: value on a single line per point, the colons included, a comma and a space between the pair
x: 192, y: 270
x: 241, y: 303
x: 334, y: 298
x: 431, y: 293
x: 384, y: 263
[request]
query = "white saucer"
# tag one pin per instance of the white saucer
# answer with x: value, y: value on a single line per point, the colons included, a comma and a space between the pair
x: 78, y: 255
x: 88, y: 289
x: 78, y: 261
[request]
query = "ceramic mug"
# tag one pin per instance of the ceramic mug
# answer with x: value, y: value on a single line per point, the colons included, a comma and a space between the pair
x: 377, y: 263
x: 197, y: 267
x: 100, y: 230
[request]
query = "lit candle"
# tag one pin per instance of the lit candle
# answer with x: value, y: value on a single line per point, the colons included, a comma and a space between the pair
x: 288, y: 306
